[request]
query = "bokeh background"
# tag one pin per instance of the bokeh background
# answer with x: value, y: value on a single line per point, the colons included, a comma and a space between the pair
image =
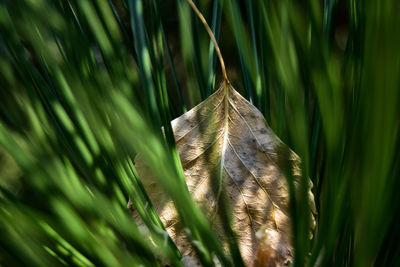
x: 86, y: 85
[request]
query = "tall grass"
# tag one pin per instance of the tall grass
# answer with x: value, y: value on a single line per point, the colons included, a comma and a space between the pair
x: 86, y: 85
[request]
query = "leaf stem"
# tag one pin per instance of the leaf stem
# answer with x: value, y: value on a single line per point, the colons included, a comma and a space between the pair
x: 210, y: 33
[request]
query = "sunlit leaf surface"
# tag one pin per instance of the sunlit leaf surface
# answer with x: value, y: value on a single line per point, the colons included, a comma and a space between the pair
x: 229, y: 154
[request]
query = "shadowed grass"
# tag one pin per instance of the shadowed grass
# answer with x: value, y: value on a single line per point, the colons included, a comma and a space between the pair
x: 86, y: 85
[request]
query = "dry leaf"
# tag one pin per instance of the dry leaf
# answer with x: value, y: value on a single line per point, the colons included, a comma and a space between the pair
x: 226, y: 136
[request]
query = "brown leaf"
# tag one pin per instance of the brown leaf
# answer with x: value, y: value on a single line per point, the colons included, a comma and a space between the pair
x: 225, y: 139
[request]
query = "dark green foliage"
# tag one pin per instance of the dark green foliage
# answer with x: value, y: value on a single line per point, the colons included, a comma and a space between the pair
x: 86, y: 85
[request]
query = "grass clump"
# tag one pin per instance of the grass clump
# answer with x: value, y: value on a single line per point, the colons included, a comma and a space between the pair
x: 86, y: 85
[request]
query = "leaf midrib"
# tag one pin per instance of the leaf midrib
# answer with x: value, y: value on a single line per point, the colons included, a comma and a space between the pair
x: 227, y: 105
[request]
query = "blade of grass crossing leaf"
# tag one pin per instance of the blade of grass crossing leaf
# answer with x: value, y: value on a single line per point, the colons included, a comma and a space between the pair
x: 163, y: 93
x: 279, y: 29
x: 197, y: 227
x: 147, y: 212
